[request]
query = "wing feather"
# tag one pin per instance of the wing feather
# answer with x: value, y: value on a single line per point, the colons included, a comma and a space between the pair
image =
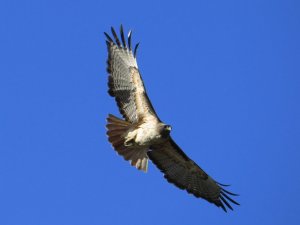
x: 180, y: 170
x: 129, y: 39
x: 135, y: 49
x: 115, y: 36
x: 122, y: 36
x: 125, y: 82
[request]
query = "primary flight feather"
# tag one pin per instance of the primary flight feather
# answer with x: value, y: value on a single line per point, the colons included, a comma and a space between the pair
x: 141, y: 135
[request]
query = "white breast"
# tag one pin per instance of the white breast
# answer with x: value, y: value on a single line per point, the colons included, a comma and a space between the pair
x: 147, y: 134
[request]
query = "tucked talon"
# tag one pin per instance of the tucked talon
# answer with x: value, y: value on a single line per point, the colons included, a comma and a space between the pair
x: 128, y: 143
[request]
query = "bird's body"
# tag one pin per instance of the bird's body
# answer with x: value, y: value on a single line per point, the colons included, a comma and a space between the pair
x: 147, y: 134
x: 142, y: 135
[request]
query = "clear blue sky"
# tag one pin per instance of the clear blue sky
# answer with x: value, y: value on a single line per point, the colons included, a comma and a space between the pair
x: 224, y: 74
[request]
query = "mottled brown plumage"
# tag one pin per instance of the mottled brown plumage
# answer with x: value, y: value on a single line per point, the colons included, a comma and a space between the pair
x: 142, y: 135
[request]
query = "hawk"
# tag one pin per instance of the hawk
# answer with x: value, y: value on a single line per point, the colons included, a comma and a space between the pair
x: 141, y: 135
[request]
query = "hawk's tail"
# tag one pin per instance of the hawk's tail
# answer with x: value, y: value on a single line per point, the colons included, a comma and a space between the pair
x: 116, y: 131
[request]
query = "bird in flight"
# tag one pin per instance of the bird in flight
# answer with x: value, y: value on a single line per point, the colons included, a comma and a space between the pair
x: 141, y: 135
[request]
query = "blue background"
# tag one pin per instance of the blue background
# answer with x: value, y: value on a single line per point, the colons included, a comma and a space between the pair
x: 224, y: 74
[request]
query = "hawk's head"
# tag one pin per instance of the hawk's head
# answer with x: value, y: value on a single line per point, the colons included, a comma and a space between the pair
x: 166, y: 129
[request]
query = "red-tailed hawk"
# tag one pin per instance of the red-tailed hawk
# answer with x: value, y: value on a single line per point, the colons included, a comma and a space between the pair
x: 142, y: 135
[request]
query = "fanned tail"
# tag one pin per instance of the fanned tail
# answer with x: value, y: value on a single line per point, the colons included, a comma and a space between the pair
x: 116, y: 131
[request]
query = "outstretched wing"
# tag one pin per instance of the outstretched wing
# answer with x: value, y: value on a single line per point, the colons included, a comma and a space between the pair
x: 125, y: 82
x: 180, y: 170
